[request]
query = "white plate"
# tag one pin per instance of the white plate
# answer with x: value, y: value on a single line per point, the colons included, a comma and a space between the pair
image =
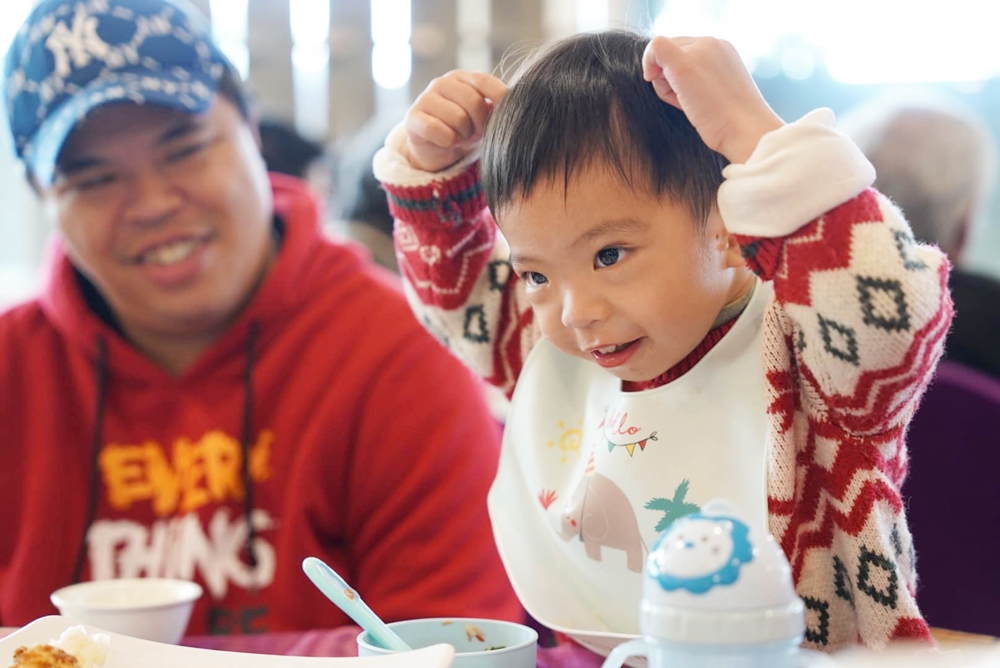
x: 126, y: 652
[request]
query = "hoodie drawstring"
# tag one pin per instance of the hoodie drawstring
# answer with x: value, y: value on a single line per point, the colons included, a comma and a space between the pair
x: 245, y: 444
x: 97, y: 436
x: 95, y: 449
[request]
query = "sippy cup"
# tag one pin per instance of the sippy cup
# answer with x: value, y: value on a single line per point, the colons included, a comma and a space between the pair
x: 717, y: 593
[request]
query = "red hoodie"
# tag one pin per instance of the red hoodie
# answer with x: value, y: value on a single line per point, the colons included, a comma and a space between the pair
x: 370, y: 448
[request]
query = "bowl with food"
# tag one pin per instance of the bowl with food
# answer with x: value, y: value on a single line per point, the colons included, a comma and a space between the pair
x: 149, y: 608
x: 478, y: 643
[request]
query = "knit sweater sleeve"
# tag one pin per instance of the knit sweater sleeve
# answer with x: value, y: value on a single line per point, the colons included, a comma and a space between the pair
x: 857, y: 325
x: 865, y: 307
x: 455, y: 264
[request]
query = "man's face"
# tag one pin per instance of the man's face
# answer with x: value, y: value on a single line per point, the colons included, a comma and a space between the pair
x: 168, y: 214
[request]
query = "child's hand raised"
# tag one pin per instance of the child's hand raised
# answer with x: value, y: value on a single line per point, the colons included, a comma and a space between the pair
x: 705, y: 78
x: 445, y: 124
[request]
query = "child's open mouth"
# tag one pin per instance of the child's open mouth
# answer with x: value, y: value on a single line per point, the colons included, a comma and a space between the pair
x: 616, y: 355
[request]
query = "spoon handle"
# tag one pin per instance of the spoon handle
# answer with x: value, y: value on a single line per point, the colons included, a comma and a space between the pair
x: 334, y: 588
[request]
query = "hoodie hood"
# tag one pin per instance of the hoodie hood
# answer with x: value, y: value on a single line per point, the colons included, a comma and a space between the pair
x: 285, y: 286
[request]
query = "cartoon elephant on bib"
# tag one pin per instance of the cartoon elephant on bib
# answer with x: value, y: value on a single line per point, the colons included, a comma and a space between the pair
x: 601, y: 515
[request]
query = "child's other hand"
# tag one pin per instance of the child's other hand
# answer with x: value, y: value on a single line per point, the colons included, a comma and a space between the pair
x: 705, y: 78
x: 445, y: 124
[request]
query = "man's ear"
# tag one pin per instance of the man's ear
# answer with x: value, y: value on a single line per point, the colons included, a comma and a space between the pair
x: 253, y: 120
x: 33, y: 183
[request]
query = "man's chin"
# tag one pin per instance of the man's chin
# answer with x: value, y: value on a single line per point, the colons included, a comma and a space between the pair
x: 195, y: 322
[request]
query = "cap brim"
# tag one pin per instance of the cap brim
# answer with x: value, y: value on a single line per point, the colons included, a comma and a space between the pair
x: 191, y: 93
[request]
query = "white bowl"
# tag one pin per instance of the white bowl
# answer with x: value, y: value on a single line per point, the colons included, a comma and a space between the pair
x: 150, y: 608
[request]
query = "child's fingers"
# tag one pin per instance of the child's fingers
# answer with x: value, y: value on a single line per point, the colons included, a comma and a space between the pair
x: 488, y: 85
x: 663, y: 54
x: 650, y: 67
x: 430, y: 128
x: 474, y: 107
x: 654, y: 68
x: 463, y: 100
x: 660, y: 52
x: 665, y: 92
x: 478, y: 96
x: 448, y: 118
x: 458, y: 113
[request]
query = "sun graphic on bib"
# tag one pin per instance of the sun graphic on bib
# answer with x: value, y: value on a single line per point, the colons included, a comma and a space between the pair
x: 699, y: 553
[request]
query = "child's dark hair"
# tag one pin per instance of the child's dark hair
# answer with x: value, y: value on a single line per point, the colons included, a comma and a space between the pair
x: 584, y: 101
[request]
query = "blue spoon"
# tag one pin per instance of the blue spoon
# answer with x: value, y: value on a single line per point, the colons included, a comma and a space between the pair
x: 334, y: 588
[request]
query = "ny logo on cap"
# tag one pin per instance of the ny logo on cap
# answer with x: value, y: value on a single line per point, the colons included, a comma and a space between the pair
x: 79, y: 43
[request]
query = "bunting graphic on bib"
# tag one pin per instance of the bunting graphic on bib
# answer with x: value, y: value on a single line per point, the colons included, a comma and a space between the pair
x: 617, y: 428
x: 630, y: 447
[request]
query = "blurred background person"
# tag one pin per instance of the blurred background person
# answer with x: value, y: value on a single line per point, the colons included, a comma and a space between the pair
x: 341, y: 178
x: 364, y: 210
x: 285, y: 151
x: 937, y: 160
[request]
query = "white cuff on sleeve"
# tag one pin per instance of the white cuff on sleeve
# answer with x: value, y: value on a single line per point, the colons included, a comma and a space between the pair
x: 392, y: 167
x: 796, y: 174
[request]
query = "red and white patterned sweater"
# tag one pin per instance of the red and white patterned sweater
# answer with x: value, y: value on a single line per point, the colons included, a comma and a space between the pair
x: 851, y: 339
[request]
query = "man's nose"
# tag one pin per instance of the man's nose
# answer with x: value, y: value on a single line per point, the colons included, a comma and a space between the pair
x: 151, y: 197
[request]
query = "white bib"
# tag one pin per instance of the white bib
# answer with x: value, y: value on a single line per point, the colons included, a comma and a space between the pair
x: 590, y: 475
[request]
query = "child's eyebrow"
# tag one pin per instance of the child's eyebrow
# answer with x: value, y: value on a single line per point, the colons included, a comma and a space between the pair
x: 515, y: 259
x: 610, y: 227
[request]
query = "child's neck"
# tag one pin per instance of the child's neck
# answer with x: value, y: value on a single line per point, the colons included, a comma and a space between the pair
x: 723, y: 323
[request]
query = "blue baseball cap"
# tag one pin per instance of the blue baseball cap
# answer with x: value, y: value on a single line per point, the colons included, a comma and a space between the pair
x: 71, y: 57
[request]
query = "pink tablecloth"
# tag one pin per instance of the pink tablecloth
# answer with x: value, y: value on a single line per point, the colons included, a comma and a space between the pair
x: 342, y: 642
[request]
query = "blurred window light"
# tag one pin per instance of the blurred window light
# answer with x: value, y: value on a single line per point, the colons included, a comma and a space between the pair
x: 856, y: 41
x: 392, y: 56
x: 391, y: 21
x: 229, y: 29
x: 309, y: 24
x: 908, y: 42
x: 473, y: 23
x: 16, y: 284
x: 392, y: 64
x: 311, y: 88
x: 12, y: 13
x: 559, y: 18
x: 757, y: 29
x: 592, y: 15
x: 798, y: 62
x: 309, y: 21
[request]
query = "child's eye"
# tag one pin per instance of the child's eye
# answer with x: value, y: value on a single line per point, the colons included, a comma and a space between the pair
x: 609, y: 256
x: 534, y: 279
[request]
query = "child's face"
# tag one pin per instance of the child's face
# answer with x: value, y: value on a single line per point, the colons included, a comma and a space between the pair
x: 618, y: 276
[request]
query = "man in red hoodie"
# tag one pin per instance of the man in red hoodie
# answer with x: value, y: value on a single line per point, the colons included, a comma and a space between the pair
x: 206, y: 387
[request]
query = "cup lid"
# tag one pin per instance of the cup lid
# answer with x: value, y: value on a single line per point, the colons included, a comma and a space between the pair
x: 715, y: 576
